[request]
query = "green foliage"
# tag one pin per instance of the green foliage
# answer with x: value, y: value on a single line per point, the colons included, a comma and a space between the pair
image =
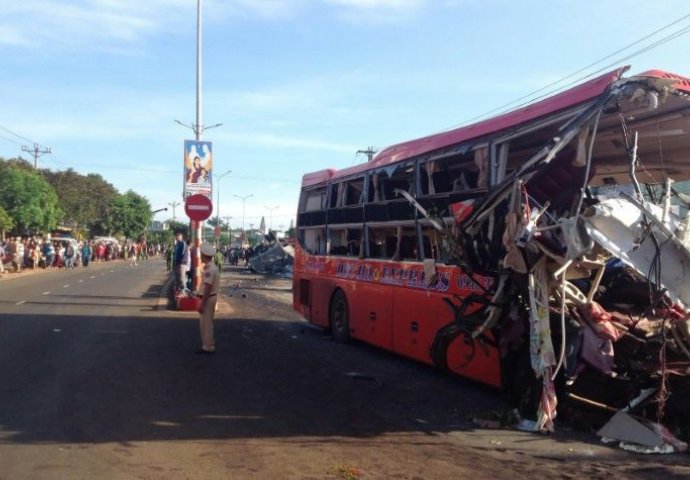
x: 37, y: 201
x: 85, y: 199
x: 6, y: 222
x: 29, y: 200
x: 129, y: 215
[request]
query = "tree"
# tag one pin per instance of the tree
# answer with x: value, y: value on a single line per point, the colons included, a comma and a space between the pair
x: 6, y: 222
x: 84, y: 199
x: 129, y: 215
x: 28, y: 199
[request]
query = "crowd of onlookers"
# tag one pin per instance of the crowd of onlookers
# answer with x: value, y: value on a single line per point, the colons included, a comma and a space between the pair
x: 19, y: 253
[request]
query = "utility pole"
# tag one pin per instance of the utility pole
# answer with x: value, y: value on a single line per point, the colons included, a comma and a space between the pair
x: 244, y: 199
x: 270, y: 217
x: 227, y: 219
x: 173, y: 205
x: 36, y: 151
x: 369, y: 152
x: 218, y: 195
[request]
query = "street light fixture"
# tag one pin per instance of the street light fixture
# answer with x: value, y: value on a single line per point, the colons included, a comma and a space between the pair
x: 270, y: 217
x: 243, y: 200
x: 218, y: 196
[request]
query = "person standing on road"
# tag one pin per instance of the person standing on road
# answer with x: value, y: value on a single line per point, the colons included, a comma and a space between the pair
x: 133, y: 252
x: 69, y: 256
x: 19, y: 253
x: 49, y: 253
x: 86, y: 254
x: 180, y: 255
x: 209, y: 298
x: 2, y: 255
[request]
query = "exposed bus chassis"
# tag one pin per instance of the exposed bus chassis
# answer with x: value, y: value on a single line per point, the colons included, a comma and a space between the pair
x: 592, y: 285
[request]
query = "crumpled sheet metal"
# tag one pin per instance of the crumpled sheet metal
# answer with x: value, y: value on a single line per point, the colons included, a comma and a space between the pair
x: 618, y: 226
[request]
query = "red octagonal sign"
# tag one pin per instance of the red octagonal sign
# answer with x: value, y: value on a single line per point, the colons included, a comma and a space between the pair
x: 198, y: 207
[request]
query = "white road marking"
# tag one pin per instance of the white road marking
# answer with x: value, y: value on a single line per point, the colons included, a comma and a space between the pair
x: 94, y: 276
x: 21, y: 303
x: 65, y: 286
x: 46, y: 293
x: 81, y: 281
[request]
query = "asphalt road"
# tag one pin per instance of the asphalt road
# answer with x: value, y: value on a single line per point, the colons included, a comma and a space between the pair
x: 97, y: 381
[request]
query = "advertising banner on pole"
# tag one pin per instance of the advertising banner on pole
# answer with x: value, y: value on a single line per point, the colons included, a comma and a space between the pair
x: 198, y: 168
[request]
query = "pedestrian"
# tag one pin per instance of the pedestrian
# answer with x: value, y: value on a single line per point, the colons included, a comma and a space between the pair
x: 86, y: 254
x: 218, y: 260
x: 2, y: 256
x: 133, y: 250
x: 169, y: 258
x: 19, y: 253
x: 49, y: 253
x: 209, y: 298
x: 69, y: 255
x: 180, y: 260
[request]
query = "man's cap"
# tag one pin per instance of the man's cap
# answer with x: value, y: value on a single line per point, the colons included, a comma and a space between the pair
x: 207, y: 249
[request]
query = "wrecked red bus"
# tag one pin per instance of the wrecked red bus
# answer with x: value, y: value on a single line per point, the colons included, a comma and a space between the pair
x: 527, y: 251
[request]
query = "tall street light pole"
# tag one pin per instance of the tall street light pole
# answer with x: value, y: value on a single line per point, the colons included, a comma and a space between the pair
x: 270, y: 217
x: 243, y: 200
x: 218, y: 196
x: 174, y: 205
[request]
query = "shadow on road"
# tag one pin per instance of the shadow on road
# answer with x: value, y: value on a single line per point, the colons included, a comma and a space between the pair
x: 90, y: 379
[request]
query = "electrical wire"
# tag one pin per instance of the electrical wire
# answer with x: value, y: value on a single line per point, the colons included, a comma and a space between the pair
x: 16, y: 134
x: 505, y: 107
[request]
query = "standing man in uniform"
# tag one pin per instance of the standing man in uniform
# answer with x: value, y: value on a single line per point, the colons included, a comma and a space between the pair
x: 207, y: 306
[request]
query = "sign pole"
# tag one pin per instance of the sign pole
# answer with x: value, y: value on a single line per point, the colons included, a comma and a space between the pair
x: 195, y: 226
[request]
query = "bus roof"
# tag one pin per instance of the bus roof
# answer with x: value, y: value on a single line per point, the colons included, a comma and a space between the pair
x: 564, y: 100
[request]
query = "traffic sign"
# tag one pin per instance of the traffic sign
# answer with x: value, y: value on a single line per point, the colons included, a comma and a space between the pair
x: 198, y: 207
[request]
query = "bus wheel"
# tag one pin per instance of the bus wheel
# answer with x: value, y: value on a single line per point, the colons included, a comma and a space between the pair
x: 339, y: 318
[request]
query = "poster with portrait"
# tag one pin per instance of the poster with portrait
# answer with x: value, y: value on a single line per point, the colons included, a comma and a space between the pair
x: 198, y: 168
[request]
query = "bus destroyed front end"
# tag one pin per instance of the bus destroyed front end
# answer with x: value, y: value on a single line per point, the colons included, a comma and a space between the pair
x: 589, y: 239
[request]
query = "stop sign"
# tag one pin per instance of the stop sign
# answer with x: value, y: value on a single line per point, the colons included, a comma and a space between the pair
x: 198, y: 207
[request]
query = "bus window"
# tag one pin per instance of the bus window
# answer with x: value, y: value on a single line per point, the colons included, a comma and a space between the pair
x: 313, y: 240
x: 434, y: 246
x: 354, y: 192
x: 347, y: 193
x: 393, y: 243
x: 337, y: 241
x: 345, y: 241
x: 455, y: 174
x: 382, y: 241
x: 402, y: 179
x: 313, y: 200
x: 355, y: 245
x: 376, y: 186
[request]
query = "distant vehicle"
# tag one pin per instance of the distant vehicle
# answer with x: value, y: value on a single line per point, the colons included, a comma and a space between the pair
x: 478, y: 249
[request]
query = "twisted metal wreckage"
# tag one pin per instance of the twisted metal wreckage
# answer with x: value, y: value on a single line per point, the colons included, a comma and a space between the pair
x: 588, y: 241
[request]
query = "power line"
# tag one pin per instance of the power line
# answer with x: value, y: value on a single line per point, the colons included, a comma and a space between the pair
x: 662, y: 41
x: 503, y: 108
x: 10, y: 140
x: 57, y: 160
x: 16, y: 134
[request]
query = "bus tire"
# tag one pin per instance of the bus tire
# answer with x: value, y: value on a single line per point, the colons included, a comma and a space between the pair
x: 339, y: 318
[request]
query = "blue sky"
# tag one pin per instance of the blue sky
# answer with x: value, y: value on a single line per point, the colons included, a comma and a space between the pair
x: 299, y: 85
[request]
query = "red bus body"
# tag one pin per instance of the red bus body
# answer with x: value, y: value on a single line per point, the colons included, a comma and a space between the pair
x: 392, y: 303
